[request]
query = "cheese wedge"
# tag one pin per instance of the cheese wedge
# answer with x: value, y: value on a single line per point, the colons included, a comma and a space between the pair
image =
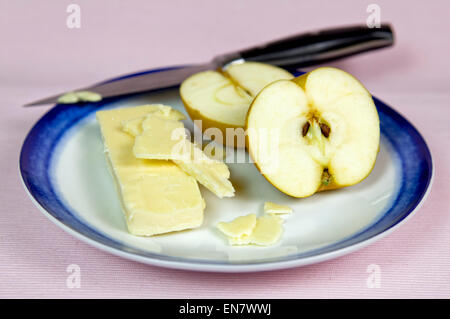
x: 157, y: 196
x: 276, y: 209
x: 162, y: 138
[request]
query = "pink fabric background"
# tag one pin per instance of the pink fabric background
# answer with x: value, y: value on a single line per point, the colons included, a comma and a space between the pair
x: 39, y: 56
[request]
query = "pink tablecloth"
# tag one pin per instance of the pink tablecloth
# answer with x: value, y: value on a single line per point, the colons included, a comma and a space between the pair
x: 40, y: 55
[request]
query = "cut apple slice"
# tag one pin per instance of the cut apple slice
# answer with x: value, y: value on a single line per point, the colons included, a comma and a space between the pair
x: 324, y: 132
x: 254, y: 76
x: 220, y: 99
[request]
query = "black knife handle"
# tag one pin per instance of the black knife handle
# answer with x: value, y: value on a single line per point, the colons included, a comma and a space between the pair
x: 316, y: 47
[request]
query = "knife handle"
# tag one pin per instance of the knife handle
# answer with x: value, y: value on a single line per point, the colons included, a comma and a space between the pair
x: 316, y: 47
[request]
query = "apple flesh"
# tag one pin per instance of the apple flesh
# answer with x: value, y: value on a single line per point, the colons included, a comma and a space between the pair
x: 326, y: 127
x: 220, y: 99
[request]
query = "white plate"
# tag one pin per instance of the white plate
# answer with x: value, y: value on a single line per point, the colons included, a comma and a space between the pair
x: 64, y: 170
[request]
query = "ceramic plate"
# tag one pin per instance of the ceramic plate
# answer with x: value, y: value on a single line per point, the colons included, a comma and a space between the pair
x: 64, y: 171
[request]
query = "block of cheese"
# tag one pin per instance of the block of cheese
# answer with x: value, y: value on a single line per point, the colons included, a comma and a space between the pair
x: 157, y: 196
x: 276, y: 209
x: 162, y: 138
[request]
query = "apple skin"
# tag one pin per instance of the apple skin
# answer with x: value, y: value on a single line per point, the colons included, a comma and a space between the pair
x: 300, y: 81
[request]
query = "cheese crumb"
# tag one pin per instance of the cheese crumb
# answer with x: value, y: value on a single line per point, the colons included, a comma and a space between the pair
x: 246, y: 230
x: 79, y: 96
x: 238, y: 230
x: 276, y: 209
x: 268, y: 231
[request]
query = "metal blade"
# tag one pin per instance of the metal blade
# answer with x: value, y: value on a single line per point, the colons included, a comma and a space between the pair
x: 138, y: 83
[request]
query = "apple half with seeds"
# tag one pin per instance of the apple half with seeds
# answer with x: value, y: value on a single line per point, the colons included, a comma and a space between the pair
x: 220, y: 99
x: 316, y: 132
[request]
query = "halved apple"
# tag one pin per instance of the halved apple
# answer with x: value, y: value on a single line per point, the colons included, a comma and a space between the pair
x: 220, y: 99
x: 316, y: 132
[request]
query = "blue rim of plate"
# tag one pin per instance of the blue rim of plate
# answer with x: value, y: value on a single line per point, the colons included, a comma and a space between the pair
x: 40, y: 143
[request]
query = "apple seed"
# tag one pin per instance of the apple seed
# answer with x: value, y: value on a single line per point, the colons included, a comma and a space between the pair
x: 325, y: 129
x: 305, y: 128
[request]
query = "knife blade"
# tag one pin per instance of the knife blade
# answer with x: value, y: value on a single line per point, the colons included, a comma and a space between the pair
x: 141, y: 83
x: 292, y: 52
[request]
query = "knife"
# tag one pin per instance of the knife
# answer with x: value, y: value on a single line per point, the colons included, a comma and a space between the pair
x: 293, y: 52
